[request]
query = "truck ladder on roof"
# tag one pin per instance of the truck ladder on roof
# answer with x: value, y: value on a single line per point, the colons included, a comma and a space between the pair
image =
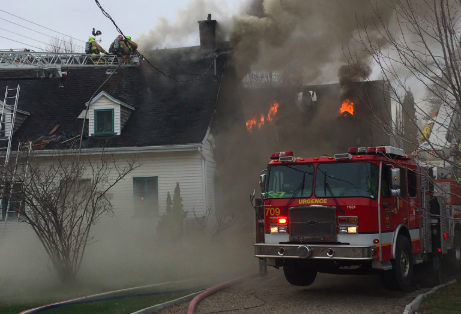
x: 54, y: 62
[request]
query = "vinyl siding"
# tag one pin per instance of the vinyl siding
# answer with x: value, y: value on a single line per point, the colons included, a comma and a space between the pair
x: 124, y: 116
x: 105, y: 103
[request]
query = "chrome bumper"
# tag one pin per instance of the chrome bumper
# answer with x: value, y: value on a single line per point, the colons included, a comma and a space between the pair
x: 315, y: 251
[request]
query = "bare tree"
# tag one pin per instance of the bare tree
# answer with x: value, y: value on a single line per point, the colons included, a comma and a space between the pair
x: 421, y: 43
x: 63, y: 45
x: 63, y: 197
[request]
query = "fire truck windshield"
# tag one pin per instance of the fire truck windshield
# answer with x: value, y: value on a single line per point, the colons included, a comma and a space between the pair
x: 355, y: 179
x: 285, y: 181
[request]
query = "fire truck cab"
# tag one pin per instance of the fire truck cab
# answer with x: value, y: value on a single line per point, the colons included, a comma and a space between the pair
x: 371, y: 210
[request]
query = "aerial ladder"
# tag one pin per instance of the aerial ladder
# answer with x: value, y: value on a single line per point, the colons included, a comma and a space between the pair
x: 56, y: 64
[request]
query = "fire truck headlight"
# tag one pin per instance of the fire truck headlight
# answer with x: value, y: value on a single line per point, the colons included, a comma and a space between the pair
x: 342, y: 229
x: 275, y: 230
x: 283, y: 229
x: 351, y: 229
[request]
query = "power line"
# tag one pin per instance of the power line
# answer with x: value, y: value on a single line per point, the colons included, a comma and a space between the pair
x: 33, y: 39
x: 31, y: 29
x: 21, y: 43
x: 41, y: 25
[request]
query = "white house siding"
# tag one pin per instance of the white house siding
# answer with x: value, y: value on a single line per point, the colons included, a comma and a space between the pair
x: 105, y: 103
x: 210, y: 166
x: 182, y: 167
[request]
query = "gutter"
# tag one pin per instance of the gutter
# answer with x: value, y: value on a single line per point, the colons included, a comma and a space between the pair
x: 121, y: 150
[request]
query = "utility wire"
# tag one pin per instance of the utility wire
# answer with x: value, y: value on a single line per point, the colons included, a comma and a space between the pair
x: 32, y: 39
x: 41, y: 25
x: 21, y: 43
x: 32, y: 29
x: 104, y: 12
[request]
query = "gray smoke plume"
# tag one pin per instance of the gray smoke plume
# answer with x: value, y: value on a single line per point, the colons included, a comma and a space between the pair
x: 183, y: 30
x: 307, y: 36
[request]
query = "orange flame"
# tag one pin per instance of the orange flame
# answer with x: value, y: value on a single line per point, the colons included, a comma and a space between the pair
x: 347, y: 106
x: 261, y: 122
x: 250, y: 124
x: 262, y: 119
x: 273, y: 111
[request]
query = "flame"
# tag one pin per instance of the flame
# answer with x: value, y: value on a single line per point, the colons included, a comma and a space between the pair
x: 250, y: 124
x: 262, y: 118
x: 347, y: 106
x: 272, y: 112
x: 261, y: 122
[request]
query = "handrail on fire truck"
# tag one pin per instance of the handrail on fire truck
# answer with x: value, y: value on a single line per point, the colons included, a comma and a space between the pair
x: 54, y: 62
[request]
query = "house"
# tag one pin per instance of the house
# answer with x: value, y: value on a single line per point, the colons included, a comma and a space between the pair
x: 167, y: 124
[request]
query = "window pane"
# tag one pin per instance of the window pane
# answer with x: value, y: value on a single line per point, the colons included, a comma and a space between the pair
x: 385, y: 186
x: 285, y: 181
x: 403, y: 183
x: 104, y: 121
x: 145, y: 191
x: 359, y: 179
x: 412, y: 183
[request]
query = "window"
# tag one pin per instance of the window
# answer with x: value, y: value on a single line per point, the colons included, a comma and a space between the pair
x: 104, y: 121
x: 403, y: 183
x: 145, y: 193
x: 358, y: 179
x: 385, y: 182
x: 412, y: 183
x: 284, y: 181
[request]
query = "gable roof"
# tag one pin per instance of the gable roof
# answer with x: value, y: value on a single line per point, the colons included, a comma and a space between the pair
x: 166, y: 112
x: 117, y: 101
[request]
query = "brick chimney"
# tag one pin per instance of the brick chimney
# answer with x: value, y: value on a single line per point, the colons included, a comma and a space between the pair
x: 207, y: 30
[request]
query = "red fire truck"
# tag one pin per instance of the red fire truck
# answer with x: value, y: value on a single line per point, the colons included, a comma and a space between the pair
x: 371, y: 210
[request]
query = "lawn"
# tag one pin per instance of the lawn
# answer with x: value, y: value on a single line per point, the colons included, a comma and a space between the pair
x: 114, y: 306
x: 445, y: 301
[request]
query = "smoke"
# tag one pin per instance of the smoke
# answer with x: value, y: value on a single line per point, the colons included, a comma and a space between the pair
x: 308, y: 37
x: 183, y: 30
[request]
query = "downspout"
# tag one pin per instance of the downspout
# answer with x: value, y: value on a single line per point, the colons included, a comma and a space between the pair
x: 205, y: 177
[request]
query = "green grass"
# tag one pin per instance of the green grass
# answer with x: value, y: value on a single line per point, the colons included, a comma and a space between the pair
x: 444, y: 301
x: 113, y: 306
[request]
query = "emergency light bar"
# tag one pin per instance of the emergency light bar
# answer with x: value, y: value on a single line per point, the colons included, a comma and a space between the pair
x: 387, y: 150
x: 283, y: 156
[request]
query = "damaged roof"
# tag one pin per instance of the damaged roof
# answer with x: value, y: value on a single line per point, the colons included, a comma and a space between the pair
x: 166, y: 112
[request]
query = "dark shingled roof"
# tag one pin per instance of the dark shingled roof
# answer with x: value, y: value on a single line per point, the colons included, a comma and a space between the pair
x: 167, y: 112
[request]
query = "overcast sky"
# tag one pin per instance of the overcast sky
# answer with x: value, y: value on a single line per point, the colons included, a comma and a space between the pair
x: 77, y: 19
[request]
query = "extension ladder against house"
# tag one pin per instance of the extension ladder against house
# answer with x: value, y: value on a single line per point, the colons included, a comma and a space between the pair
x: 15, y: 205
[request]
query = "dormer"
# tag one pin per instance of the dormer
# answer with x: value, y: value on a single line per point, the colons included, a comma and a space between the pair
x: 21, y: 116
x: 107, y: 115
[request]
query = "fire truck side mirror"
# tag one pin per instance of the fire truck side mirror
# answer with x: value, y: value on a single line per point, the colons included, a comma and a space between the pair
x: 395, y: 181
x: 395, y: 178
x: 262, y: 182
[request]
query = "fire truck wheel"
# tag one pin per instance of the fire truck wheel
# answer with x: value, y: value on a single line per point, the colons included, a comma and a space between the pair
x: 297, y: 274
x: 401, y: 275
x: 455, y: 256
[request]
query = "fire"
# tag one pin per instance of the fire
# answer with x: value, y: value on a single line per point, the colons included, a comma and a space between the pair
x: 250, y: 124
x: 272, y: 112
x: 347, y: 106
x: 261, y: 122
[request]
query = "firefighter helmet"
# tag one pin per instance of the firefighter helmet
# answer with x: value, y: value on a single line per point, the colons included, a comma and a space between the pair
x: 91, y: 39
x: 120, y: 37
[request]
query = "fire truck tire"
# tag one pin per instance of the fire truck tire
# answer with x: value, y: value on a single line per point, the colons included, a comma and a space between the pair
x: 401, y: 275
x: 297, y: 274
x: 455, y: 254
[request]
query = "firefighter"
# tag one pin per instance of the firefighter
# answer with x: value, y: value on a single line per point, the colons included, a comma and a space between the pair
x: 118, y: 47
x: 93, y: 48
x: 131, y: 45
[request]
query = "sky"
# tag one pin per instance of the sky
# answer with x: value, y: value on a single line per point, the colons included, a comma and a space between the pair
x: 78, y: 18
